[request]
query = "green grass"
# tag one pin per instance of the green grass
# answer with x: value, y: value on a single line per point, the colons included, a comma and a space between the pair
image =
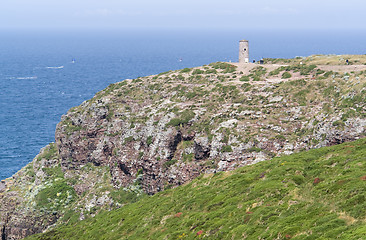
x: 184, y: 117
x: 53, y: 172
x: 186, y: 70
x: 316, y: 194
x: 226, y: 148
x: 244, y: 79
x: 303, y: 69
x: 286, y: 75
x: 170, y: 163
x: 197, y: 71
x: 225, y: 67
x: 129, y: 139
x: 49, y: 153
x: 149, y: 140
x: 56, y: 196
x: 70, y: 127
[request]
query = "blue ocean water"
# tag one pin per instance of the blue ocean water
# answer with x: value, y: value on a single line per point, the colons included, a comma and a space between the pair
x: 39, y: 81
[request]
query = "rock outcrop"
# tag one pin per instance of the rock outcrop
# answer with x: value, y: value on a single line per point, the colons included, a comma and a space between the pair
x: 149, y: 134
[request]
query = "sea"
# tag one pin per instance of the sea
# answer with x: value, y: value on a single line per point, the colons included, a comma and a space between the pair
x: 45, y: 73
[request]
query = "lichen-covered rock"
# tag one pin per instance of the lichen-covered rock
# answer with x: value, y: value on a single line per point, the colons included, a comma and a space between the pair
x: 41, y: 194
x: 188, y: 124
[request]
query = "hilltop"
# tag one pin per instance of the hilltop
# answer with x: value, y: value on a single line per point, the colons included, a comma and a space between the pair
x: 142, y: 136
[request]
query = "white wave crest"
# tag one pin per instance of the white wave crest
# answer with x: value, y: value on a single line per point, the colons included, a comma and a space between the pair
x: 26, y: 78
x: 60, y: 67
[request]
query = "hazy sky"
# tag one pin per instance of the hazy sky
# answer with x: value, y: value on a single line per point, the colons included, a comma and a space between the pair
x: 181, y: 14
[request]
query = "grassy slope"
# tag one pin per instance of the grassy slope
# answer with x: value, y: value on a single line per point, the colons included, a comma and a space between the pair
x: 317, y: 194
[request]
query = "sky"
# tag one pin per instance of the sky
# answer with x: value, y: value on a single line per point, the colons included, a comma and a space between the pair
x: 182, y: 14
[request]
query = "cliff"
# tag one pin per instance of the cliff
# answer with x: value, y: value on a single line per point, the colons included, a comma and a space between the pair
x: 153, y: 133
x: 315, y: 194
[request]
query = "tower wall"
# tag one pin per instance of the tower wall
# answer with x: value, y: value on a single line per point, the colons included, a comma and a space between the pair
x: 243, y: 51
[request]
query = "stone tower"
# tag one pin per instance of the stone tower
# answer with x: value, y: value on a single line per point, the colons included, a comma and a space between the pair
x: 243, y: 51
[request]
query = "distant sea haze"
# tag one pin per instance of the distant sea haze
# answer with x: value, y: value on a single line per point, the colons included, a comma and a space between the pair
x: 42, y: 75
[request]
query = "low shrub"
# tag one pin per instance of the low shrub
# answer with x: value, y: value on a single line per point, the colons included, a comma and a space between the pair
x: 286, y: 75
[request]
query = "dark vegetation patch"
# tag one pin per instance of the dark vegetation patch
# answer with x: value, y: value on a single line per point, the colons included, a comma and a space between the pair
x: 183, y: 118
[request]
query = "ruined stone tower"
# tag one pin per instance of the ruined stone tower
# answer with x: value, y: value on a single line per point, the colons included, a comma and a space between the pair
x: 243, y: 51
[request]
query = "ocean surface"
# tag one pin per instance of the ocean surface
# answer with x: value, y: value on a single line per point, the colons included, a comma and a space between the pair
x: 43, y: 74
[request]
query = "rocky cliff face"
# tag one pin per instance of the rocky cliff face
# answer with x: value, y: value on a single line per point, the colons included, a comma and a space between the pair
x: 148, y: 134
